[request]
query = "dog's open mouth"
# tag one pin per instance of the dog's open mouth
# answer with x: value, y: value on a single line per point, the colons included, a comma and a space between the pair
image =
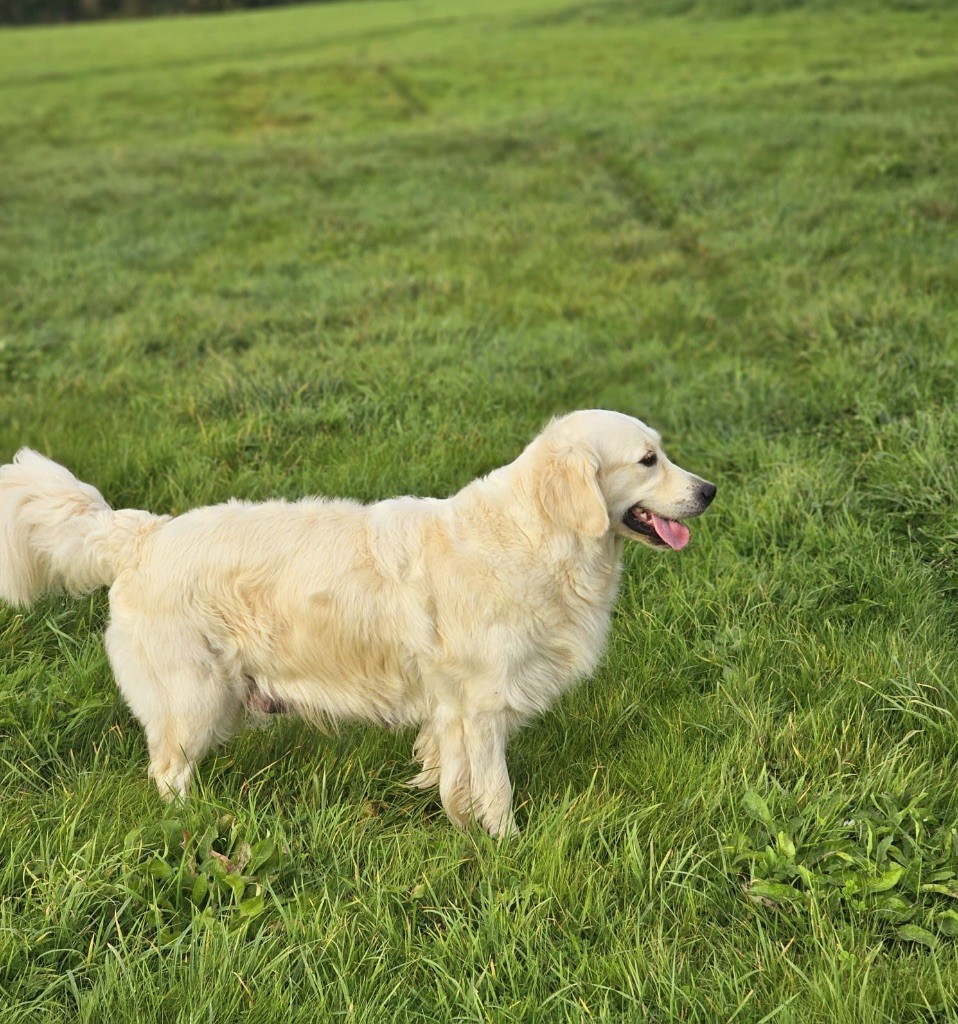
x: 660, y: 531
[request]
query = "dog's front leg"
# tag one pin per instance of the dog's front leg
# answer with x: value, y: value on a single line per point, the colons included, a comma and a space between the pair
x: 491, y: 789
x: 426, y: 751
x: 464, y: 749
x: 455, y: 790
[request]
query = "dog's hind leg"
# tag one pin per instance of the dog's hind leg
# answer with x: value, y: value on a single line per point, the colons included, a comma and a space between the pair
x: 199, y: 714
x: 177, y: 695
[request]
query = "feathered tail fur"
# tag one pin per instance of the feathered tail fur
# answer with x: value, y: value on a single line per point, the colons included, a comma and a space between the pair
x: 57, y: 533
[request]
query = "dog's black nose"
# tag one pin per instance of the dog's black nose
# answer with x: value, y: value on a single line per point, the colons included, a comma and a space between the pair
x: 707, y: 492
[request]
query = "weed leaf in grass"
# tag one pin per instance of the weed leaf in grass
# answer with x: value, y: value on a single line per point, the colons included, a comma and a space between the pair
x: 913, y: 933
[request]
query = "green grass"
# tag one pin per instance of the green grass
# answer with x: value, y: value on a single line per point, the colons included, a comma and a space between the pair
x: 368, y: 249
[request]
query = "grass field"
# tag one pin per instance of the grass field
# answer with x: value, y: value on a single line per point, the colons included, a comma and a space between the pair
x: 369, y: 249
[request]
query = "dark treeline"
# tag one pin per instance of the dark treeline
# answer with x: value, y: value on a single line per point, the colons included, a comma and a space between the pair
x: 35, y: 12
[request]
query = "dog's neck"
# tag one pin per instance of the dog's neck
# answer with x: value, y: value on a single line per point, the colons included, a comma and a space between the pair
x: 512, y: 494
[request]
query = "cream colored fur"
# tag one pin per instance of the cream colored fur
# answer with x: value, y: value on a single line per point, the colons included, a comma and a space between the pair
x: 464, y: 617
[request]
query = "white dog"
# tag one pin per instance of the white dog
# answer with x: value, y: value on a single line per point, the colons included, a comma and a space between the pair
x: 465, y: 616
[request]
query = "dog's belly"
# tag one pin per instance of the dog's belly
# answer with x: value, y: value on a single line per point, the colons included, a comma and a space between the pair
x: 318, y: 661
x: 377, y: 699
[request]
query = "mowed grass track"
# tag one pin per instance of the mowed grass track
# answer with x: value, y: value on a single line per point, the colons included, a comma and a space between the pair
x: 368, y: 249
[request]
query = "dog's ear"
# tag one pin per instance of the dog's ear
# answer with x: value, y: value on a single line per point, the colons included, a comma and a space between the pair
x: 569, y: 491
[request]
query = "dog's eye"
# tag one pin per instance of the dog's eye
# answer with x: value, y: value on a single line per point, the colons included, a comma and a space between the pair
x: 650, y: 460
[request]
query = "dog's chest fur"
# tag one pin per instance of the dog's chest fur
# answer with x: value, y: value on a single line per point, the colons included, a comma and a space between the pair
x: 561, y: 625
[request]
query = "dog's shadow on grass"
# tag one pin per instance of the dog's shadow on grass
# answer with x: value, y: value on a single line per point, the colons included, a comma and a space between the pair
x: 293, y: 762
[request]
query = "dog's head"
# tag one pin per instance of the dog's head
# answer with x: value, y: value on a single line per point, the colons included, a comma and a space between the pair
x: 603, y: 471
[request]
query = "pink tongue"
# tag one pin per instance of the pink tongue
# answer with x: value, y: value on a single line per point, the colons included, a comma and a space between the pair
x: 676, y: 535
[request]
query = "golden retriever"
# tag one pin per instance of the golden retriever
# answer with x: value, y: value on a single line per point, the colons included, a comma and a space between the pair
x: 465, y: 616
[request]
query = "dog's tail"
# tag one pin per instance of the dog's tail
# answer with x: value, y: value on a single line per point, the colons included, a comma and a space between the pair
x: 57, y: 533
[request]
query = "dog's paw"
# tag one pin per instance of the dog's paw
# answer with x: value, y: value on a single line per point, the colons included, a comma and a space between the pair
x: 505, y: 828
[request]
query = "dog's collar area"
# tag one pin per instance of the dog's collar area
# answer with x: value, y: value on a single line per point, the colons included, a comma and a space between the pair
x: 660, y: 531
